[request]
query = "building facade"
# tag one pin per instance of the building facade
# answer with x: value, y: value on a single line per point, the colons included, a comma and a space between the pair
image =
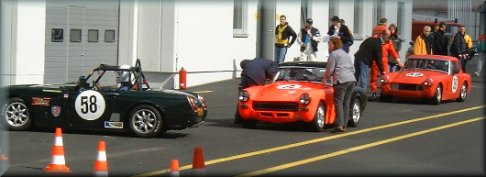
x: 52, y: 41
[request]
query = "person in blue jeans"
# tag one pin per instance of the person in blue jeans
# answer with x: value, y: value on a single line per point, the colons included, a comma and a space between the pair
x: 285, y: 36
x: 369, y: 51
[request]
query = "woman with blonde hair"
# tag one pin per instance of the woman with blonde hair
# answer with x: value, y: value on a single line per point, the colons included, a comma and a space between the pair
x: 340, y: 67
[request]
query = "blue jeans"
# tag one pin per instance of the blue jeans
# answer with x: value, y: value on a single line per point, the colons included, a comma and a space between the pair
x: 280, y: 53
x: 342, y: 101
x: 361, y: 74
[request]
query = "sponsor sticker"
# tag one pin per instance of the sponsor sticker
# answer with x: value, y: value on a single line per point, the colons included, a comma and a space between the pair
x: 90, y: 105
x: 414, y: 74
x: 56, y: 111
x: 36, y: 101
x: 66, y: 96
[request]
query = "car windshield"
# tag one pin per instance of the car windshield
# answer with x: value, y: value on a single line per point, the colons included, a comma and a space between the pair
x: 429, y: 64
x: 109, y: 80
x: 310, y: 74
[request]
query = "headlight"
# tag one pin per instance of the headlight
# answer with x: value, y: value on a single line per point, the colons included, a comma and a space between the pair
x: 427, y: 82
x: 305, y: 99
x: 244, y: 96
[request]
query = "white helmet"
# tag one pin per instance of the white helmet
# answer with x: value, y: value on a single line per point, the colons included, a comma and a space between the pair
x: 123, y: 76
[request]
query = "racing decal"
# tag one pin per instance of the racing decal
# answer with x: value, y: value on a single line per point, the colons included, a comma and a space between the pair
x: 455, y: 83
x: 66, y: 96
x: 289, y: 86
x: 56, y: 111
x: 414, y: 74
x: 90, y: 105
x: 36, y: 101
x: 113, y: 125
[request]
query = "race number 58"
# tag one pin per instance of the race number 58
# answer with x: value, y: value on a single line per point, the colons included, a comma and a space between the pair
x: 90, y: 105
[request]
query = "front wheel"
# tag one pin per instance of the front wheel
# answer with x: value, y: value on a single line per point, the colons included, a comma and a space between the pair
x: 437, y: 96
x: 355, y: 112
x: 145, y: 121
x: 317, y: 124
x: 17, y: 115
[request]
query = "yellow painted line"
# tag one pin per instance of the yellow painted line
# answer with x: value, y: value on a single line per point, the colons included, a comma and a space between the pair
x: 303, y: 143
x: 204, y: 91
x: 356, y: 148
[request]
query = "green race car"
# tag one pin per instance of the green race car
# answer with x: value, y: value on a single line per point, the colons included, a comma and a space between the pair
x: 110, y: 97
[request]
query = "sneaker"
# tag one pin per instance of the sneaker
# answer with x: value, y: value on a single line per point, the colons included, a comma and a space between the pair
x: 338, y: 129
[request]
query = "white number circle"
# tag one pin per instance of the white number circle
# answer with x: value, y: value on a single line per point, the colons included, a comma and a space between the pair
x: 288, y: 86
x: 90, y: 105
x: 455, y: 83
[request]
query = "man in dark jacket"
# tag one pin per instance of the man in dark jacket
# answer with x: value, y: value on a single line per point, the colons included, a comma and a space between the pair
x: 440, y: 41
x: 369, y: 51
x: 257, y: 71
x: 342, y: 31
x: 461, y: 43
x: 283, y: 32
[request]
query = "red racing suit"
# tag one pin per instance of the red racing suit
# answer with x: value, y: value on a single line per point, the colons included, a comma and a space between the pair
x: 387, y: 48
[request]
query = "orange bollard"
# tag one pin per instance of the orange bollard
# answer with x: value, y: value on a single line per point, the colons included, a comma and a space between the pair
x: 58, y: 164
x: 198, y: 165
x: 174, y: 168
x: 101, y: 164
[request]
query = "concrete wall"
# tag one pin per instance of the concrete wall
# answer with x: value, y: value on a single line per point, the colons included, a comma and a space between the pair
x: 24, y: 49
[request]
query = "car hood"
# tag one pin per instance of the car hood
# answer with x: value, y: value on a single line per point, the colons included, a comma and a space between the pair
x: 282, y: 91
x: 414, y: 76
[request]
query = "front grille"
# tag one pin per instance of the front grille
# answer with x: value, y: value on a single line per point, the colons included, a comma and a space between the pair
x: 275, y: 106
x: 408, y: 87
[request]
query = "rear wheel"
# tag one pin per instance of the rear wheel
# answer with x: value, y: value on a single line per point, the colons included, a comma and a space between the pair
x: 145, y: 121
x: 355, y: 112
x: 463, y: 94
x: 318, y: 122
x: 17, y: 115
x: 438, y: 95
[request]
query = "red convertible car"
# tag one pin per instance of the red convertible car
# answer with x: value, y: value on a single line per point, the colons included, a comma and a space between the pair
x: 432, y: 77
x: 297, y: 93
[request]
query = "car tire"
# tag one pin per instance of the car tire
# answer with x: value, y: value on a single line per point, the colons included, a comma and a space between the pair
x: 145, y: 121
x: 354, y: 112
x: 463, y: 93
x: 438, y: 95
x: 319, y: 120
x: 16, y: 115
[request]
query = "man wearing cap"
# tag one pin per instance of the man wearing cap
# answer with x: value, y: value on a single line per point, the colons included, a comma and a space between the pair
x: 341, y: 31
x: 308, y: 39
x: 439, y: 46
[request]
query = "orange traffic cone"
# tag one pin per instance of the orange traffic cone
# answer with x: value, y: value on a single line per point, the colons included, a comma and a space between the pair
x: 174, y: 168
x: 101, y: 165
x: 198, y: 166
x: 58, y: 164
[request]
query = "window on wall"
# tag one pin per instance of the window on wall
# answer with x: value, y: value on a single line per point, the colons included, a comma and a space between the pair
x: 110, y: 36
x: 358, y: 22
x: 75, y: 35
x: 57, y: 35
x: 93, y: 35
x: 240, y: 13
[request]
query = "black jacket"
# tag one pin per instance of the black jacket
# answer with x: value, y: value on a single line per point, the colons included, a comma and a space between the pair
x: 439, y: 47
x: 459, y: 45
x: 286, y: 34
x: 258, y: 69
x: 314, y: 32
x: 370, y: 50
x: 344, y: 34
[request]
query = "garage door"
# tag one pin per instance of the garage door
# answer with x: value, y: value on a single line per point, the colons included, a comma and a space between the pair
x: 80, y: 35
